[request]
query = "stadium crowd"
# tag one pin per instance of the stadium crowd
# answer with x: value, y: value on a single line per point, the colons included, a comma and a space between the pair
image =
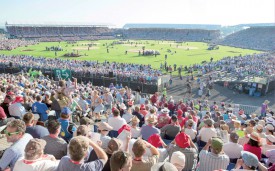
x: 10, y: 44
x: 120, y: 130
x: 132, y: 72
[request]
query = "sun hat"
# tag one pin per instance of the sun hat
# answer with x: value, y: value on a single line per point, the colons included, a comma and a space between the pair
x: 164, y: 166
x: 182, y: 140
x: 249, y: 159
x: 178, y: 160
x: 255, y: 136
x: 155, y: 140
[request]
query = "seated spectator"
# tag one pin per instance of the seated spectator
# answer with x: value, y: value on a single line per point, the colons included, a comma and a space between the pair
x: 178, y: 160
x: 189, y: 130
x: 170, y: 131
x: 254, y: 145
x: 270, y: 140
x: 249, y: 161
x: 150, y: 129
x: 143, y: 111
x: 55, y: 146
x: 244, y: 140
x: 103, y: 129
x: 215, y: 159
x: 207, y: 132
x: 78, y: 149
x: 135, y: 130
x: 163, y: 118
x: 113, y: 145
x: 16, y: 109
x: 40, y: 108
x: 139, y: 149
x: 184, y: 144
x: 67, y: 127
x: 269, y: 129
x: 116, y: 122
x: 16, y: 135
x: 121, y: 161
x: 3, y: 118
x: 36, y: 131
x: 164, y: 166
x: 139, y: 116
x: 232, y: 148
x: 6, y: 103
x: 34, y: 159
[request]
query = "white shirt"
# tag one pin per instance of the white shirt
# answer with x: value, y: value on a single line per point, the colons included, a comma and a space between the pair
x: 233, y: 150
x: 207, y: 133
x: 191, y: 132
x: 116, y: 122
x: 42, y: 164
x: 127, y: 117
x: 17, y: 109
x: 135, y: 132
x: 267, y: 147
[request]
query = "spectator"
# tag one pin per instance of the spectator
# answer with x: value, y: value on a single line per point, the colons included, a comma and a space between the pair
x: 184, y: 144
x: 78, y: 149
x: 16, y: 135
x: 215, y: 159
x: 164, y: 166
x: 138, y: 163
x: 232, y: 148
x: 36, y: 131
x: 40, y: 108
x: 207, y: 132
x: 116, y: 122
x: 67, y: 127
x: 178, y: 160
x: 34, y: 159
x: 170, y: 131
x: 270, y: 140
x: 55, y: 146
x: 103, y: 129
x: 121, y: 161
x: 16, y: 109
x: 135, y: 130
x: 254, y: 145
x: 244, y: 140
x: 249, y: 161
x: 163, y: 118
x: 189, y: 130
x: 150, y: 129
x: 139, y: 116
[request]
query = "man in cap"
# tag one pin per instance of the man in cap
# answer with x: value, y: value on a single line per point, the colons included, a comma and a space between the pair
x: 215, y: 159
x: 104, y: 128
x: 163, y: 118
x: 232, y: 148
x: 15, y: 133
x: 34, y: 159
x: 78, y: 150
x: 67, y: 127
x: 139, y: 149
x: 150, y: 129
x: 207, y: 132
x: 55, y: 145
x: 184, y: 144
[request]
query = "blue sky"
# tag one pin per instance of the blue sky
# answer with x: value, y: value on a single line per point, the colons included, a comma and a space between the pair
x: 120, y: 12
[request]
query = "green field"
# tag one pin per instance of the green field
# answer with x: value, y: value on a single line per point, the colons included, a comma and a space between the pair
x: 186, y: 53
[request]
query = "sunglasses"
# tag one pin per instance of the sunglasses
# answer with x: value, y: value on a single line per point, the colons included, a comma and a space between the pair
x: 10, y: 133
x: 123, y: 159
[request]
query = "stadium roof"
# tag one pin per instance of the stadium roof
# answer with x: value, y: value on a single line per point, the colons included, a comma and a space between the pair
x: 176, y: 26
x: 57, y: 24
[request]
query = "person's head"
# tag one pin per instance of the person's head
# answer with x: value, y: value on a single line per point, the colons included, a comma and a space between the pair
x: 254, y: 139
x: 39, y: 98
x: 208, y: 122
x: 104, y: 128
x: 78, y: 148
x: 164, y: 166
x: 54, y: 127
x: 116, y: 112
x: 135, y: 121
x: 121, y: 161
x: 152, y: 120
x: 234, y: 137
x: 269, y: 129
x: 190, y: 123
x: 250, y: 160
x: 178, y: 160
x: 137, y: 109
x: 216, y: 145
x: 248, y: 130
x: 28, y: 118
x: 34, y: 149
x: 82, y: 130
x: 252, y: 123
x: 270, y: 139
x: 66, y: 113
x: 15, y: 130
x: 259, y: 128
x: 139, y: 148
x: 174, y: 119
x: 86, y: 121
x: 113, y: 145
x: 182, y: 140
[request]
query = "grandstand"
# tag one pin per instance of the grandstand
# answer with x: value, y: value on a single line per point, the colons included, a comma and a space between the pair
x: 59, y: 32
x: 259, y: 38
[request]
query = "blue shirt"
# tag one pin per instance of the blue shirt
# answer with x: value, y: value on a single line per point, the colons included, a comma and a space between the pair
x: 14, y: 152
x: 37, y: 131
x: 64, y: 133
x: 40, y: 108
x: 147, y: 131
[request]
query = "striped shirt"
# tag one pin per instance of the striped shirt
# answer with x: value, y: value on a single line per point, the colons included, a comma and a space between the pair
x: 191, y: 156
x: 210, y: 161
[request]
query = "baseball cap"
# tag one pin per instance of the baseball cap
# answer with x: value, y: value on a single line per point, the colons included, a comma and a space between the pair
x: 66, y: 111
x: 217, y: 144
x: 155, y: 140
x: 182, y: 140
x: 34, y: 147
x: 178, y: 160
x: 249, y: 159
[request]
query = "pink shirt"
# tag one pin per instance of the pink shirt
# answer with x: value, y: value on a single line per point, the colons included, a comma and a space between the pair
x: 252, y: 149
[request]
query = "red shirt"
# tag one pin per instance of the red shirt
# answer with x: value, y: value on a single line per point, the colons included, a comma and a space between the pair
x: 252, y: 149
x: 154, y: 99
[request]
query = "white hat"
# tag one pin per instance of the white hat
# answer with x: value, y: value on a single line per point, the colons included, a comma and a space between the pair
x: 178, y: 160
x: 165, y: 110
x: 122, y: 106
x: 259, y: 127
x: 271, y: 138
x: 270, y: 120
x: 269, y: 127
